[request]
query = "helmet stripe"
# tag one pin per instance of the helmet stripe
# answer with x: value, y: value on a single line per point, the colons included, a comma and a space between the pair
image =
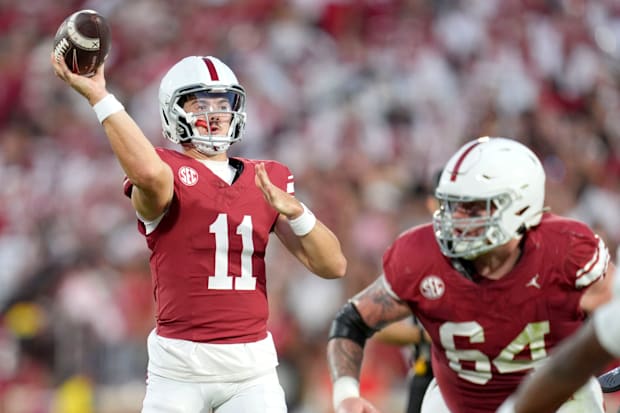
x: 211, y: 67
x: 455, y: 171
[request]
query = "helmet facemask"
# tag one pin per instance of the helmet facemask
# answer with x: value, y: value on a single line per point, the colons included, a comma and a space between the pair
x: 470, y: 236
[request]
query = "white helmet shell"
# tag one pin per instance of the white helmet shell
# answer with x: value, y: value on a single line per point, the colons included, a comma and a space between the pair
x: 506, y: 175
x: 201, y: 75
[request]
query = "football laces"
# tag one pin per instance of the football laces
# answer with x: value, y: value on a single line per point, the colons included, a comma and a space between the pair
x: 61, y: 48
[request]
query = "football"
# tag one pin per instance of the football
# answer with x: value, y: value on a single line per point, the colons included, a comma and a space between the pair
x: 83, y: 40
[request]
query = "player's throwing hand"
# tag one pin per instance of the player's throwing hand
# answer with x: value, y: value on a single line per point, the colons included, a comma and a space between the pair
x: 92, y: 88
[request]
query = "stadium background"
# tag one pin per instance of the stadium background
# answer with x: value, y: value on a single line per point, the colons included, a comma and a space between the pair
x: 363, y: 99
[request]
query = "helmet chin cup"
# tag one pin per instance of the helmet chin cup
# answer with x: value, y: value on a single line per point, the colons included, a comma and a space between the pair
x: 210, y: 149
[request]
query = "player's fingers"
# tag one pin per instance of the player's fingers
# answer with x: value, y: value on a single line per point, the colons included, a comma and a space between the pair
x: 60, y: 66
x: 99, y: 72
x: 260, y: 179
x: 260, y: 170
x: 263, y: 176
x: 55, y: 65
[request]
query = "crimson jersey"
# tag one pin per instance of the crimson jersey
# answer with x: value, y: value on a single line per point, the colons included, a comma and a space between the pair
x: 208, y: 253
x: 488, y: 334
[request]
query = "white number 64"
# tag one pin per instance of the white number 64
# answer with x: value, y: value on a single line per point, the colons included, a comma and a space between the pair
x: 533, y: 335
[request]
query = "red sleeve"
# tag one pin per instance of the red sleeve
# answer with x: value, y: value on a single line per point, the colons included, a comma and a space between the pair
x: 587, y: 256
x: 390, y: 268
x: 412, y: 254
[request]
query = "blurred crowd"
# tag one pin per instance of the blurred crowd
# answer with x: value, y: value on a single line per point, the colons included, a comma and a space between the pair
x: 363, y: 99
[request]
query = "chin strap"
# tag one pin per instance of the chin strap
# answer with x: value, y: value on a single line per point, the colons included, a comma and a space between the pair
x: 210, y: 149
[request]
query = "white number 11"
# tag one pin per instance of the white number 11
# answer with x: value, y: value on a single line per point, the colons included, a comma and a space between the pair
x: 221, y: 280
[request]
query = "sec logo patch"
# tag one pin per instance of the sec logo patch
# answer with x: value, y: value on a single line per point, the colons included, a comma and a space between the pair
x: 432, y: 287
x: 188, y: 175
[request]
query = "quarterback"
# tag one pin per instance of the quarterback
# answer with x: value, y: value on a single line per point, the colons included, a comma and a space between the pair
x: 495, y: 279
x: 207, y: 219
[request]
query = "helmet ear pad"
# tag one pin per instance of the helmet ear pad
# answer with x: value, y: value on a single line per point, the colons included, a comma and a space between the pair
x: 165, y: 124
x: 239, y: 128
x: 179, y: 130
x: 183, y: 129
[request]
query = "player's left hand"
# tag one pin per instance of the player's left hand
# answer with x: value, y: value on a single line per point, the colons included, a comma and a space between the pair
x: 286, y: 204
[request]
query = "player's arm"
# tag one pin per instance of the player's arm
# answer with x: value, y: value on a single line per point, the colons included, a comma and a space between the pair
x: 151, y: 177
x: 367, y: 312
x: 600, y: 292
x: 401, y: 333
x: 316, y: 246
x: 319, y: 250
x: 569, y: 368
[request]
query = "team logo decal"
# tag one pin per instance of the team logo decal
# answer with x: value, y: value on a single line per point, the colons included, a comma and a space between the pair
x: 432, y: 287
x: 534, y: 282
x: 188, y: 175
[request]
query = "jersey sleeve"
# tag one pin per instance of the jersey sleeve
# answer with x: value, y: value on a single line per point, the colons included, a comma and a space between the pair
x: 389, y: 270
x: 587, y: 257
x: 398, y: 265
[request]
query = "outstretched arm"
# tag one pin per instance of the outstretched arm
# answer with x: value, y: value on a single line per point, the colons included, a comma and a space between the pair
x: 402, y: 333
x: 316, y: 246
x: 367, y: 312
x: 152, y: 178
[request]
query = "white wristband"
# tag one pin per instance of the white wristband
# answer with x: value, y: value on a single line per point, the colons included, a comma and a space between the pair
x: 345, y: 387
x: 106, y: 107
x: 304, y: 223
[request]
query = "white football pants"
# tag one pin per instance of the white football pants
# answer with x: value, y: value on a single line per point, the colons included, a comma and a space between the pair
x: 258, y: 395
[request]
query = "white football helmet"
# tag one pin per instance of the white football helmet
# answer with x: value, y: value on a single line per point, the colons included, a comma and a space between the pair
x: 208, y: 77
x: 501, y: 174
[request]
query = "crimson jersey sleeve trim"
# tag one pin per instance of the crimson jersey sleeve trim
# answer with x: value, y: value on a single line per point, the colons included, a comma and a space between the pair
x: 595, y: 268
x: 290, y: 184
